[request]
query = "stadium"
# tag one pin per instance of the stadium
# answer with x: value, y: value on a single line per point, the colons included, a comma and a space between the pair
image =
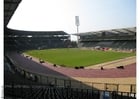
x: 48, y: 65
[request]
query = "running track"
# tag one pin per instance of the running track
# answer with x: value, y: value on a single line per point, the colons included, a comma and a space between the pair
x: 45, y: 69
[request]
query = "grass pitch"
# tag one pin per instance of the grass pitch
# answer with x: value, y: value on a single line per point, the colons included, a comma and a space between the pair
x: 72, y: 57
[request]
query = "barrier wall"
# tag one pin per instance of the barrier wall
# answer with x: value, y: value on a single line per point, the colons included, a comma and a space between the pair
x: 67, y: 82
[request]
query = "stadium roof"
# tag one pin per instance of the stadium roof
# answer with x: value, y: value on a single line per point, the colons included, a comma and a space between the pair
x: 22, y: 32
x: 128, y: 31
x: 9, y: 8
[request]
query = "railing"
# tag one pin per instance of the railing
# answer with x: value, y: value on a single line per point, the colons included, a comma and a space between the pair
x: 46, y: 92
x: 66, y: 82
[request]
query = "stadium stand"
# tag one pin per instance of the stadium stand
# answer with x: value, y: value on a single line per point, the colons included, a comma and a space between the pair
x: 20, y: 83
x: 124, y: 39
x: 36, y: 39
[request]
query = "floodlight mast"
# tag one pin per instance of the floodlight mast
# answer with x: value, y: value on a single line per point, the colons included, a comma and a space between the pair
x: 77, y: 23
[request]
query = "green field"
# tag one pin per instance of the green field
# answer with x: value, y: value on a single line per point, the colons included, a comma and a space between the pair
x: 77, y: 57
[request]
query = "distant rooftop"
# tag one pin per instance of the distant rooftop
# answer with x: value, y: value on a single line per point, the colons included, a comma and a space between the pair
x: 129, y: 31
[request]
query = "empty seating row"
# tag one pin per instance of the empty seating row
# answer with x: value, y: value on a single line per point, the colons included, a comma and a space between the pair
x: 47, y: 92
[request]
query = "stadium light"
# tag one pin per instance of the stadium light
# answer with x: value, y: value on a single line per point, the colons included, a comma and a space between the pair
x: 77, y: 23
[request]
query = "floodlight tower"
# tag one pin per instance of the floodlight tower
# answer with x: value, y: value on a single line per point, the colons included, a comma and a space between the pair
x: 77, y: 23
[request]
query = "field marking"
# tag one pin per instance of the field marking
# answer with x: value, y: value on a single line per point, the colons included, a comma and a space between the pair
x: 114, y: 64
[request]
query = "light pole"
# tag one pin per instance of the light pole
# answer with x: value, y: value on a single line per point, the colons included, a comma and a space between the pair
x: 77, y: 23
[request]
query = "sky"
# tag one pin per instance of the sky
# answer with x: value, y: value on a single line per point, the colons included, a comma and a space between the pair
x: 55, y: 15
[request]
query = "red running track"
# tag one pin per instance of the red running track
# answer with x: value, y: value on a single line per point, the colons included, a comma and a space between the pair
x: 128, y: 71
